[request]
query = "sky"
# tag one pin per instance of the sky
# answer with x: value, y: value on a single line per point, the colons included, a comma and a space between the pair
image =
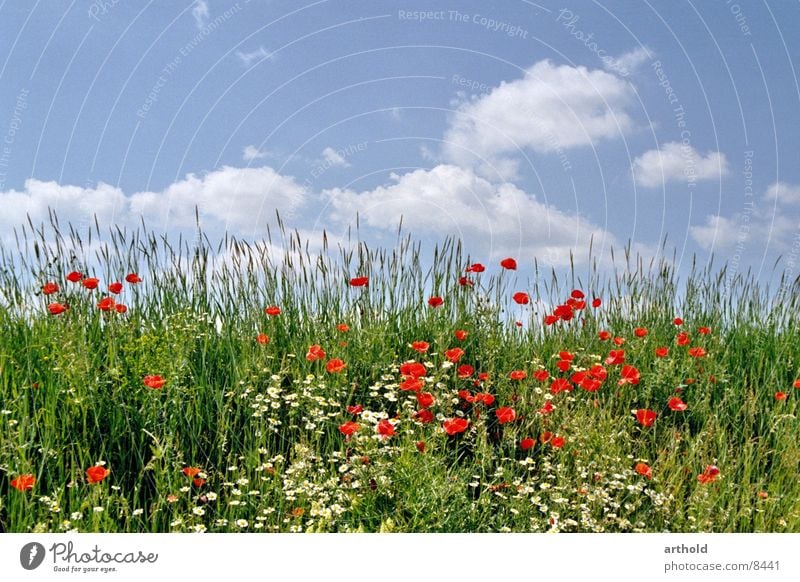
x: 533, y: 130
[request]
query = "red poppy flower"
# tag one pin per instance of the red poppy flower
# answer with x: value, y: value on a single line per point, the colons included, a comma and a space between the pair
x: 420, y: 346
x: 485, y: 397
x: 547, y: 408
x: 464, y: 281
x: 646, y: 417
x: 315, y: 352
x: 475, y: 268
x: 23, y: 482
x: 604, y: 335
x: 564, y: 312
x: 56, y: 308
x: 411, y: 384
x: 526, y: 443
x: 558, y: 442
x: 273, y: 310
x: 483, y: 376
x: 521, y: 298
x: 797, y: 384
x: 349, y: 428
x: 74, y: 276
x: 618, y: 341
x: 677, y: 404
x: 704, y: 330
x: 640, y: 332
x: 120, y: 308
x: 509, y: 264
x: 96, y: 474
x: 518, y: 374
x: 677, y: 321
x: 198, y: 482
x: 106, y: 304
x: 541, y: 375
x: 424, y: 416
x: 662, y: 352
x: 343, y: 327
x: 154, y: 381
x: 425, y: 399
x: 697, y: 352
x: 615, y: 357
x: 461, y: 334
x: 505, y: 414
x: 590, y: 384
x: 709, y: 474
x: 545, y: 437
x: 420, y: 446
x: 359, y: 281
x: 629, y: 375
x: 49, y: 288
x: 599, y: 372
x: 644, y: 470
x: 596, y: 302
x: 413, y: 369
x: 262, y: 338
x: 560, y: 385
x: 465, y: 371
x: 435, y: 301
x: 335, y: 365
x: 781, y: 396
x: 682, y: 338
x: 385, y: 428
x: 115, y: 287
x: 454, y: 354
x: 563, y: 365
x: 90, y: 283
x: 191, y: 471
x: 454, y: 426
x: 133, y: 278
x: 550, y: 319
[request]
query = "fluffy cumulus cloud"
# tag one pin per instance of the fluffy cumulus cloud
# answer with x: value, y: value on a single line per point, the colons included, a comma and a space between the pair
x: 550, y: 109
x: 242, y: 200
x: 494, y: 218
x: 783, y: 193
x: 674, y: 162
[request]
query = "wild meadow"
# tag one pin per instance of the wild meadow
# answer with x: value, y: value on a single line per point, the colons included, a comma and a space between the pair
x: 155, y: 385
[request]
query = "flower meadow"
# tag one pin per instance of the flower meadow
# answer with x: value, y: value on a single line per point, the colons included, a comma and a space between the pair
x: 149, y: 385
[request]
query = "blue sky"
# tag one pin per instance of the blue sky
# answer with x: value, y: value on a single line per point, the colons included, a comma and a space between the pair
x: 524, y: 128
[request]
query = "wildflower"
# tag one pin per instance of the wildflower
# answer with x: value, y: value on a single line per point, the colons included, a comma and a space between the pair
x: 475, y: 268
x: 704, y: 330
x: 385, y: 428
x: 682, y: 338
x: 90, y: 283
x: 505, y: 414
x: 420, y: 446
x: 677, y: 321
x: 106, y: 304
x: 646, y: 417
x: 526, y: 443
x: 615, y: 357
x: 343, y: 327
x: 263, y: 339
x: 545, y: 437
x: 596, y: 302
x: 644, y: 470
x: 461, y: 334
x: 564, y: 312
x: 349, y: 428
x: 560, y: 385
x: 550, y: 319
x: 359, y: 281
x: 781, y: 396
x: 133, y: 278
x: 154, y: 381
x: 521, y: 298
x: 96, y: 474
x: 454, y: 354
x: 465, y: 282
x: 23, y: 482
x: 541, y: 375
x: 509, y: 264
x: 115, y: 287
x: 629, y: 375
x: 273, y: 310
x: 662, y: 352
x: 74, y: 276
x: 411, y: 384
x: 454, y: 426
x: 618, y: 341
x: 120, y: 308
x: 465, y: 371
x: 420, y: 346
x: 677, y: 404
x: 558, y: 442
x: 797, y: 384
x: 435, y: 301
x: 697, y: 352
x: 604, y: 335
x: 197, y: 482
x: 356, y: 409
x: 546, y: 409
x: 709, y: 474
x: 56, y: 308
x: 640, y: 332
x: 191, y: 471
x: 425, y: 399
x: 315, y: 352
x: 335, y: 365
x: 424, y: 416
x: 49, y: 288
x: 518, y: 374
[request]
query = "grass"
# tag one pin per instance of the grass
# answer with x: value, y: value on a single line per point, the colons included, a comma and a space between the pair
x: 245, y: 436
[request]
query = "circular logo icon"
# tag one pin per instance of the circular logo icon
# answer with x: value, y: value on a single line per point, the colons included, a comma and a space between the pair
x: 31, y: 555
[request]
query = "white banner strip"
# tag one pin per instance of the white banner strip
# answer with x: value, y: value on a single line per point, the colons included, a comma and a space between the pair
x: 401, y: 557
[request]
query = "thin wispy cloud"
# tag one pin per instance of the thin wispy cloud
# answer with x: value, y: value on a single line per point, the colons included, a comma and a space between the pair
x: 200, y: 12
x: 248, y: 59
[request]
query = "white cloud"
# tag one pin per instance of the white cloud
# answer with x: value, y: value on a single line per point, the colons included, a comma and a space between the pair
x: 550, y: 109
x: 236, y: 199
x: 251, y: 58
x: 627, y: 63
x: 496, y: 219
x: 333, y: 158
x: 675, y: 161
x: 251, y: 153
x: 783, y: 193
x: 200, y: 13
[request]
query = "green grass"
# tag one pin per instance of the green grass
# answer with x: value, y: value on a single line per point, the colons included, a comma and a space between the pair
x: 261, y: 422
